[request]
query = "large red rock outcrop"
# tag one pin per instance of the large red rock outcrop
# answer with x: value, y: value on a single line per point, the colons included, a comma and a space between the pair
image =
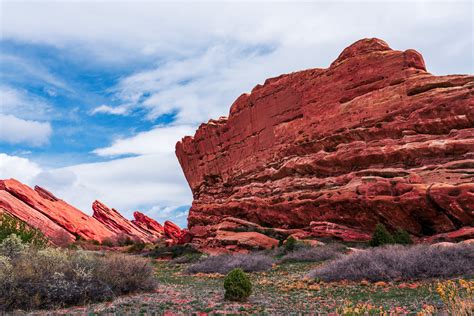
x: 63, y: 223
x: 373, y: 138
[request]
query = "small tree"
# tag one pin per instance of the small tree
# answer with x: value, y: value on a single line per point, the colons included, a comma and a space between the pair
x: 381, y: 236
x: 237, y: 286
x: 290, y: 244
x: 402, y: 237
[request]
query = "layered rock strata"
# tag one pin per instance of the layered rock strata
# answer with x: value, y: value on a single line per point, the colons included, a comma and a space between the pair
x: 62, y: 223
x: 373, y: 138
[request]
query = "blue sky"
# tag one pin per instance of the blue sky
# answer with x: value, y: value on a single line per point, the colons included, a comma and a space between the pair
x: 94, y: 95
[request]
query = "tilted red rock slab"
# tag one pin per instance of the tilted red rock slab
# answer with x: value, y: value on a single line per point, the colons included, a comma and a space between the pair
x: 115, y: 222
x: 20, y: 210
x: 62, y: 214
x: 62, y: 223
x: 373, y: 138
x: 148, y: 224
x: 175, y: 234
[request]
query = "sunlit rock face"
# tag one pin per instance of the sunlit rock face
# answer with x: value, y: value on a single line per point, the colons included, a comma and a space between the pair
x: 373, y: 138
x: 62, y: 223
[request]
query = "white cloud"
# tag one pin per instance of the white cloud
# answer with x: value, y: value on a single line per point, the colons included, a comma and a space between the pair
x: 146, y: 181
x: 161, y: 139
x: 19, y: 118
x: 107, y: 109
x: 19, y: 168
x: 21, y: 104
x: 153, y: 184
x: 15, y: 131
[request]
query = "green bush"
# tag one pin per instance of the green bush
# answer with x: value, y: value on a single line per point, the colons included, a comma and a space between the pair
x: 174, y: 251
x: 290, y: 244
x: 402, y: 237
x: 381, y: 236
x: 237, y: 286
x: 10, y: 225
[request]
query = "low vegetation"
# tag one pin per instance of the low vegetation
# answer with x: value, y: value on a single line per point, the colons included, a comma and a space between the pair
x: 396, y: 262
x: 10, y: 225
x: 237, y: 286
x: 43, y: 277
x: 314, y: 254
x: 387, y: 279
x: 381, y: 236
x: 165, y: 252
x: 222, y: 264
x: 457, y: 296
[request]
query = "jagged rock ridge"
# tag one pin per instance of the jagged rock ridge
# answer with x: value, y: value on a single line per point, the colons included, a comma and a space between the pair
x: 373, y: 138
x: 63, y: 223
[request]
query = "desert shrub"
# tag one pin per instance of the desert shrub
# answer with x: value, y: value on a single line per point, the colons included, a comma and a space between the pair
x: 136, y: 248
x: 12, y: 246
x: 290, y: 244
x: 314, y: 254
x: 52, y: 277
x: 237, y: 286
x: 381, y: 236
x: 252, y: 262
x: 402, y: 237
x: 187, y: 258
x: 395, y: 262
x: 173, y: 251
x: 10, y: 225
x: 125, y: 273
x: 124, y: 240
x: 108, y: 242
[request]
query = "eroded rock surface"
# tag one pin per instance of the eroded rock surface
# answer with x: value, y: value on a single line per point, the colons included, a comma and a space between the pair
x: 63, y: 223
x: 373, y: 138
x: 148, y: 224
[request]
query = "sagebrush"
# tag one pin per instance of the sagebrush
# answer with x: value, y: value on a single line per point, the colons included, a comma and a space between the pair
x: 314, y: 254
x: 396, y: 262
x: 33, y: 278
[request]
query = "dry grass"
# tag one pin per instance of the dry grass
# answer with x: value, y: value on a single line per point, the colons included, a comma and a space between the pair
x: 252, y: 262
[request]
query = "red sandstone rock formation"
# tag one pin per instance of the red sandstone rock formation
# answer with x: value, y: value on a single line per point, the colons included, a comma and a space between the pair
x: 118, y: 224
x: 20, y: 210
x: 44, y: 204
x: 176, y: 234
x: 373, y: 138
x: 62, y: 223
x: 148, y: 224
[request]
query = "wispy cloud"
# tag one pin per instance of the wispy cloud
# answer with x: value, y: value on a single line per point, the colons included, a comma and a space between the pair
x: 32, y: 70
